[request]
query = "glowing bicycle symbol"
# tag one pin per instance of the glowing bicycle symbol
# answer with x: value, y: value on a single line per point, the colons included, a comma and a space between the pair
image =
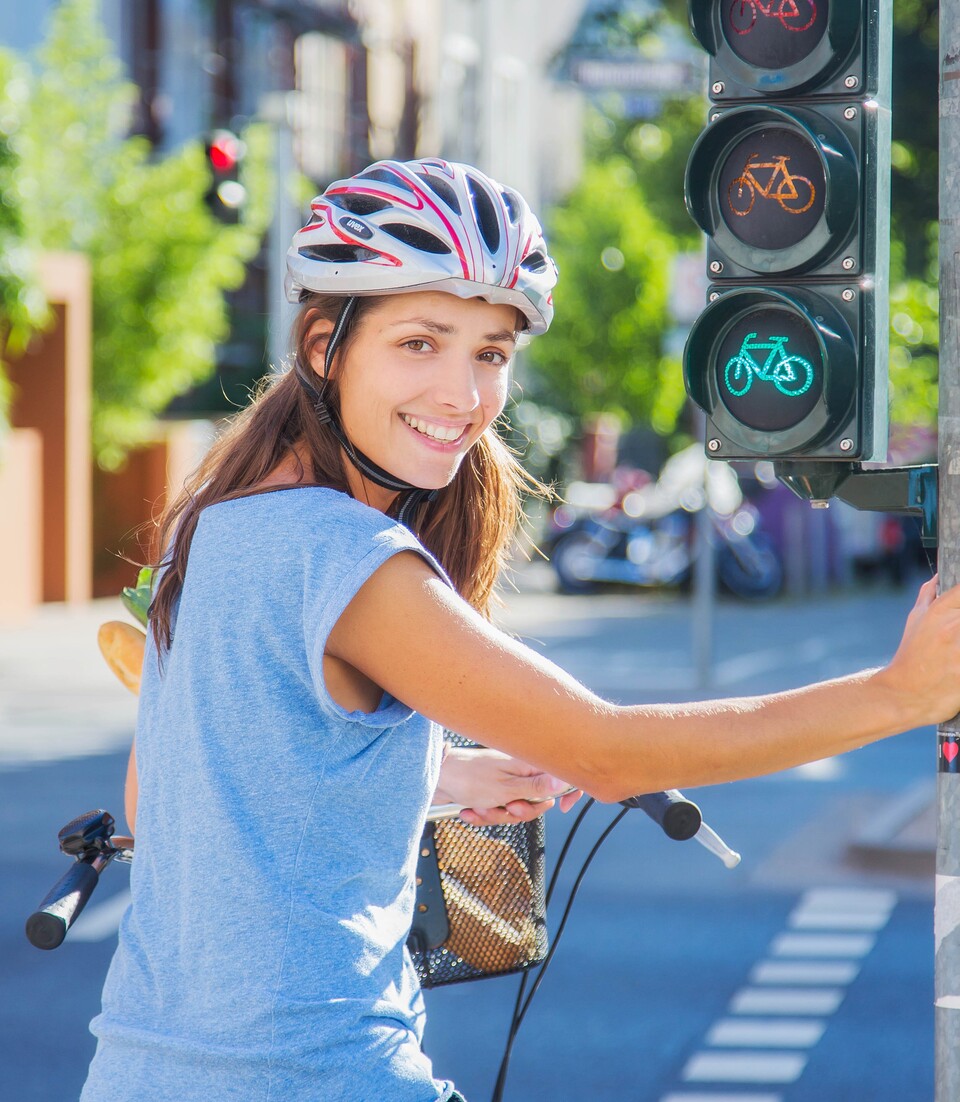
x: 742, y: 192
x: 791, y: 375
x: 794, y: 15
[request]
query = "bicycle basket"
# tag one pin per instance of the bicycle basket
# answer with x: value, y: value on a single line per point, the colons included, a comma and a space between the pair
x: 480, y: 907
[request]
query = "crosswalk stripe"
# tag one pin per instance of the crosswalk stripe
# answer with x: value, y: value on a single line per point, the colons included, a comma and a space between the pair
x: 785, y: 1000
x: 744, y: 1067
x: 820, y: 973
x: 816, y: 919
x: 683, y: 1096
x: 849, y: 899
x: 762, y: 1033
x: 822, y: 945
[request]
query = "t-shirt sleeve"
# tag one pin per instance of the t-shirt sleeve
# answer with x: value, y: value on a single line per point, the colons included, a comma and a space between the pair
x: 342, y: 565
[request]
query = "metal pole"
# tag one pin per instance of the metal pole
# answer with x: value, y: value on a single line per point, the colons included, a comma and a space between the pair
x: 276, y: 108
x: 704, y: 593
x: 947, y: 901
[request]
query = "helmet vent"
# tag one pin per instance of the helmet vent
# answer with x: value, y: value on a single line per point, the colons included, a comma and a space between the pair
x: 443, y: 190
x: 385, y: 176
x: 535, y: 262
x: 337, y: 254
x: 361, y: 204
x: 486, y: 214
x: 512, y: 205
x: 416, y: 237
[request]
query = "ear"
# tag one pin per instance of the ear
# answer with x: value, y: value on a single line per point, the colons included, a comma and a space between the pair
x: 318, y: 335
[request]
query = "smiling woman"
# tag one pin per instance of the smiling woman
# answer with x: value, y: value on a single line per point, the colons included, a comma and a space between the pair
x: 321, y: 612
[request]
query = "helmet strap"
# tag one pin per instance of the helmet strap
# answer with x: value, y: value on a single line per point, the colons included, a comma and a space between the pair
x: 415, y: 495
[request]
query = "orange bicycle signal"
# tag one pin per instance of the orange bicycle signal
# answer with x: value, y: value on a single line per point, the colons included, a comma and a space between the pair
x: 792, y: 198
x: 793, y: 15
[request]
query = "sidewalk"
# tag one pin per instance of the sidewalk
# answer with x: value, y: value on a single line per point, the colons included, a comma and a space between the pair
x: 58, y: 700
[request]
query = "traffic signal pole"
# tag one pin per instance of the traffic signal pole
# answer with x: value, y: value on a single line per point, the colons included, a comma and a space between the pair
x: 947, y: 900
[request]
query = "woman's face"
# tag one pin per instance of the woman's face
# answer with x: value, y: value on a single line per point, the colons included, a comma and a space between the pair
x: 422, y: 378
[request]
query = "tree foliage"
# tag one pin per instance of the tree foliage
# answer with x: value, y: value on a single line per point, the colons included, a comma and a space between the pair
x: 160, y: 261
x: 22, y: 307
x: 603, y: 352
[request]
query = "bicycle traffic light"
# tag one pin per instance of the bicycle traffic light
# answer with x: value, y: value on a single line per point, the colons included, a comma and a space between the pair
x: 790, y: 184
x: 225, y: 196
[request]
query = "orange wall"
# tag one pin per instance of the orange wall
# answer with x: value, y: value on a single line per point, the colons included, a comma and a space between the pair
x: 52, y: 396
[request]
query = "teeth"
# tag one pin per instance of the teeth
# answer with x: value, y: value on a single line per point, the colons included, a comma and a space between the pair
x: 436, y: 432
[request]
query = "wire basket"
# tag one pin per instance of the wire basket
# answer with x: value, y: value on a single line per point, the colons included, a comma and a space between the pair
x: 480, y: 908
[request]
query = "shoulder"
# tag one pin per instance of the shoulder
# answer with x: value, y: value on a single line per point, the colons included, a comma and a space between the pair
x: 310, y: 524
x: 298, y: 510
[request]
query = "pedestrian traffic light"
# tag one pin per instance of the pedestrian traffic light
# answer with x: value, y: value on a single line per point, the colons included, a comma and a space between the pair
x: 789, y: 182
x: 225, y: 196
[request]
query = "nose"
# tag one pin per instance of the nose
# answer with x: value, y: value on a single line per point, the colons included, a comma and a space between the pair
x: 456, y: 386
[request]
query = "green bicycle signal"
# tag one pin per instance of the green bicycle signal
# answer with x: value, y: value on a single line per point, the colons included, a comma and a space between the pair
x: 791, y: 375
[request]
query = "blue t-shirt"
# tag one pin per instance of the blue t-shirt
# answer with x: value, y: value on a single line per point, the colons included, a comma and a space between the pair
x: 263, y: 957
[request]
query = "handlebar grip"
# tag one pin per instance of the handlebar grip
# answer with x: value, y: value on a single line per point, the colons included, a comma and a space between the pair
x: 679, y: 817
x: 48, y: 925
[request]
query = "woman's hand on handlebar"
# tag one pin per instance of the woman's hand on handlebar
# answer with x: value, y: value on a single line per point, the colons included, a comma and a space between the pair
x: 493, y: 787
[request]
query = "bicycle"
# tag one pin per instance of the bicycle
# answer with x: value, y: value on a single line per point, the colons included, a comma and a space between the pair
x: 747, y: 186
x: 793, y: 15
x: 778, y: 368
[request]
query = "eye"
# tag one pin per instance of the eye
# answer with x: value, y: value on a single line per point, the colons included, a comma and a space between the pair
x: 494, y: 356
x: 417, y: 344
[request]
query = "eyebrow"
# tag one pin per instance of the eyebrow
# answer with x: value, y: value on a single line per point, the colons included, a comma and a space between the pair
x: 448, y: 330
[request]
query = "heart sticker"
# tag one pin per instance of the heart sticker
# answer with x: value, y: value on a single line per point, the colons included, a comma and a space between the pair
x: 950, y: 750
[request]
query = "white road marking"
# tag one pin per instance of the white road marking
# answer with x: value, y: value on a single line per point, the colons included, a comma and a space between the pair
x: 822, y: 945
x: 101, y: 921
x: 684, y: 1097
x: 761, y: 1033
x: 785, y: 1000
x: 849, y: 899
x: 794, y: 992
x: 744, y: 1067
x: 804, y: 919
x: 818, y: 973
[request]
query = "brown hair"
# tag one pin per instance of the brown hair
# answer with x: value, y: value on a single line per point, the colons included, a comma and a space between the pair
x: 468, y: 526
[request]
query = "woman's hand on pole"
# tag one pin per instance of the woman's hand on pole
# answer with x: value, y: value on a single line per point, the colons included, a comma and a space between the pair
x: 925, y: 671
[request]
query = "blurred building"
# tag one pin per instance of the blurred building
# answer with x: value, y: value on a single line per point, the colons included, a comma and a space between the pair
x: 464, y: 79
x: 344, y: 82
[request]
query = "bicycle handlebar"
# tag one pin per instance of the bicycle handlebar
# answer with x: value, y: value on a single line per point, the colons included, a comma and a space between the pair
x: 681, y: 819
x: 88, y: 838
x: 678, y: 817
x: 48, y: 925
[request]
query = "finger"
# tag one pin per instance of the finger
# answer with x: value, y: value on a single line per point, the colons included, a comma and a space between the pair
x: 570, y: 800
x: 523, y: 812
x: 489, y: 816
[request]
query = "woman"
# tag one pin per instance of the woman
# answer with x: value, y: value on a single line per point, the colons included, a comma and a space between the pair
x: 301, y: 634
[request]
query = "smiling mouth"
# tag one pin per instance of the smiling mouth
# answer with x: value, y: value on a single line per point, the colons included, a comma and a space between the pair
x: 442, y: 434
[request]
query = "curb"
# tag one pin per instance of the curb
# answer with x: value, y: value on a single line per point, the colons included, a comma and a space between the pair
x: 903, y: 836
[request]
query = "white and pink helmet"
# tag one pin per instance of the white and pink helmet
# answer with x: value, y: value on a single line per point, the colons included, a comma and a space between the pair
x: 425, y: 225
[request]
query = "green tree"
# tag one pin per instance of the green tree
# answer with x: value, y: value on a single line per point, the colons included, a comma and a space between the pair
x: 22, y: 307
x: 160, y: 262
x: 603, y: 351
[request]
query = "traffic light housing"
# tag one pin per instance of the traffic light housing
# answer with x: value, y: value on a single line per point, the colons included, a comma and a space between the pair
x: 790, y: 184
x: 225, y: 196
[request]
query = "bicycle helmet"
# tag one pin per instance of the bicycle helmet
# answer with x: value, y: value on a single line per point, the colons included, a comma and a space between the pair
x: 425, y: 225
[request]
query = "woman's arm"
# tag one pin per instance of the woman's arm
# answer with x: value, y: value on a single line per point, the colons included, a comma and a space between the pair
x: 131, y: 790
x: 412, y: 635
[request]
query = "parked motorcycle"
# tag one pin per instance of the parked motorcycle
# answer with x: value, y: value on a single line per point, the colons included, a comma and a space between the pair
x: 647, y: 537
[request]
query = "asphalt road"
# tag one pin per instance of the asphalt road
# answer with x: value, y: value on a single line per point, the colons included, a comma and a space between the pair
x: 799, y: 975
